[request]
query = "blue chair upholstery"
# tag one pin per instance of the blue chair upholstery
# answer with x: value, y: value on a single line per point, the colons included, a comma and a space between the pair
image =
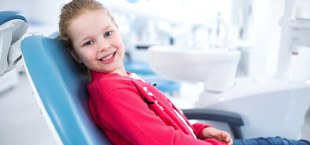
x: 59, y: 82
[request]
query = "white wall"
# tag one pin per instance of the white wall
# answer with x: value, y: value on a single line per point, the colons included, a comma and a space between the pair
x: 42, y: 15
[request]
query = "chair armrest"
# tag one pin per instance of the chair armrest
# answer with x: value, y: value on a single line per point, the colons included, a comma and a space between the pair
x: 233, y: 120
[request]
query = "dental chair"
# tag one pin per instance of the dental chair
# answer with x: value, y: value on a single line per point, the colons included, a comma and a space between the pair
x: 12, y: 27
x: 58, y: 83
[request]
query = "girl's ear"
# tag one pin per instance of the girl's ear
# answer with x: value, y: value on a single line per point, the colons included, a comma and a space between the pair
x: 75, y: 56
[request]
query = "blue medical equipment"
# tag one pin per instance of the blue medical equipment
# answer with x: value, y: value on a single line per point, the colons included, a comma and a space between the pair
x: 12, y: 27
x: 10, y: 15
x: 59, y: 85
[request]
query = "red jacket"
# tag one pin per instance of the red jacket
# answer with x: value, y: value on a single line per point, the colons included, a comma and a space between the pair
x: 130, y: 111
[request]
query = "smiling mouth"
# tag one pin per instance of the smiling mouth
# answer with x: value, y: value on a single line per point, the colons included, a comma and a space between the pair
x: 108, y: 58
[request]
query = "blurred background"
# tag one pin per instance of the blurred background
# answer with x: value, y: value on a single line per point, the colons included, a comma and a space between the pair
x: 271, y: 38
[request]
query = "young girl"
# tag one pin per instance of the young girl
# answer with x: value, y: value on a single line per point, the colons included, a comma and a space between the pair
x: 127, y: 109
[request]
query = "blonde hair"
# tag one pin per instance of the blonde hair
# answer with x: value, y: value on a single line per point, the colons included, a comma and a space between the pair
x: 72, y: 10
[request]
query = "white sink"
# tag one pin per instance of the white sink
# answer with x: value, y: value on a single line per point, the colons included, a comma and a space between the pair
x: 215, y: 67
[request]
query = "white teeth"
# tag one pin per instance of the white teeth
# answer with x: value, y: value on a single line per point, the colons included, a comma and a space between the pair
x: 107, y: 57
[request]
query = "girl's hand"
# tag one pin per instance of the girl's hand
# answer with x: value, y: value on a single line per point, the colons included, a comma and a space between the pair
x: 211, y: 132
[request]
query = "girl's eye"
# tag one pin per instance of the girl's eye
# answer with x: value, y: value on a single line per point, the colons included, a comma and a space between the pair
x: 107, y: 34
x: 88, y: 43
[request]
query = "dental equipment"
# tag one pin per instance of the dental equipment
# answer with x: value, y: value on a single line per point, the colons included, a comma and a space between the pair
x: 12, y: 27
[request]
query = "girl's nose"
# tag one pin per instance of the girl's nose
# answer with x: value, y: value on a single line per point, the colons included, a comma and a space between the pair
x: 104, y: 45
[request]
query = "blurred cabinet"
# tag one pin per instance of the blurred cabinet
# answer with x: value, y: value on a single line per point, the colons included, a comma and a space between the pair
x: 295, y: 25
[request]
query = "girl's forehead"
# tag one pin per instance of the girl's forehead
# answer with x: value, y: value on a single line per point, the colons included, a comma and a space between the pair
x: 101, y: 12
x: 91, y: 18
x: 87, y: 23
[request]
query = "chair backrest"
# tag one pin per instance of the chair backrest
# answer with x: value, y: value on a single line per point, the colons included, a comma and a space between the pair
x: 59, y: 83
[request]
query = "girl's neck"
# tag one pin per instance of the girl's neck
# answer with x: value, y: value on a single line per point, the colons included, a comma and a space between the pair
x: 121, y: 72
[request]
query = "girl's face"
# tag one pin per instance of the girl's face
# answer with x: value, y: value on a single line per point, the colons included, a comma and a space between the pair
x: 97, y: 42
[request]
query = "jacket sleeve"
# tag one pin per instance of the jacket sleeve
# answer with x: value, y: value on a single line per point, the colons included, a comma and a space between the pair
x: 128, y: 115
x: 198, y: 127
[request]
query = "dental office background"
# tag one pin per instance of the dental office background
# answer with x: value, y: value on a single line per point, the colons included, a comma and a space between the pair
x: 272, y: 38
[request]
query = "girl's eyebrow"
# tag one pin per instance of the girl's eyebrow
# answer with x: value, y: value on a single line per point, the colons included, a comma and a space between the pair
x: 81, y: 42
